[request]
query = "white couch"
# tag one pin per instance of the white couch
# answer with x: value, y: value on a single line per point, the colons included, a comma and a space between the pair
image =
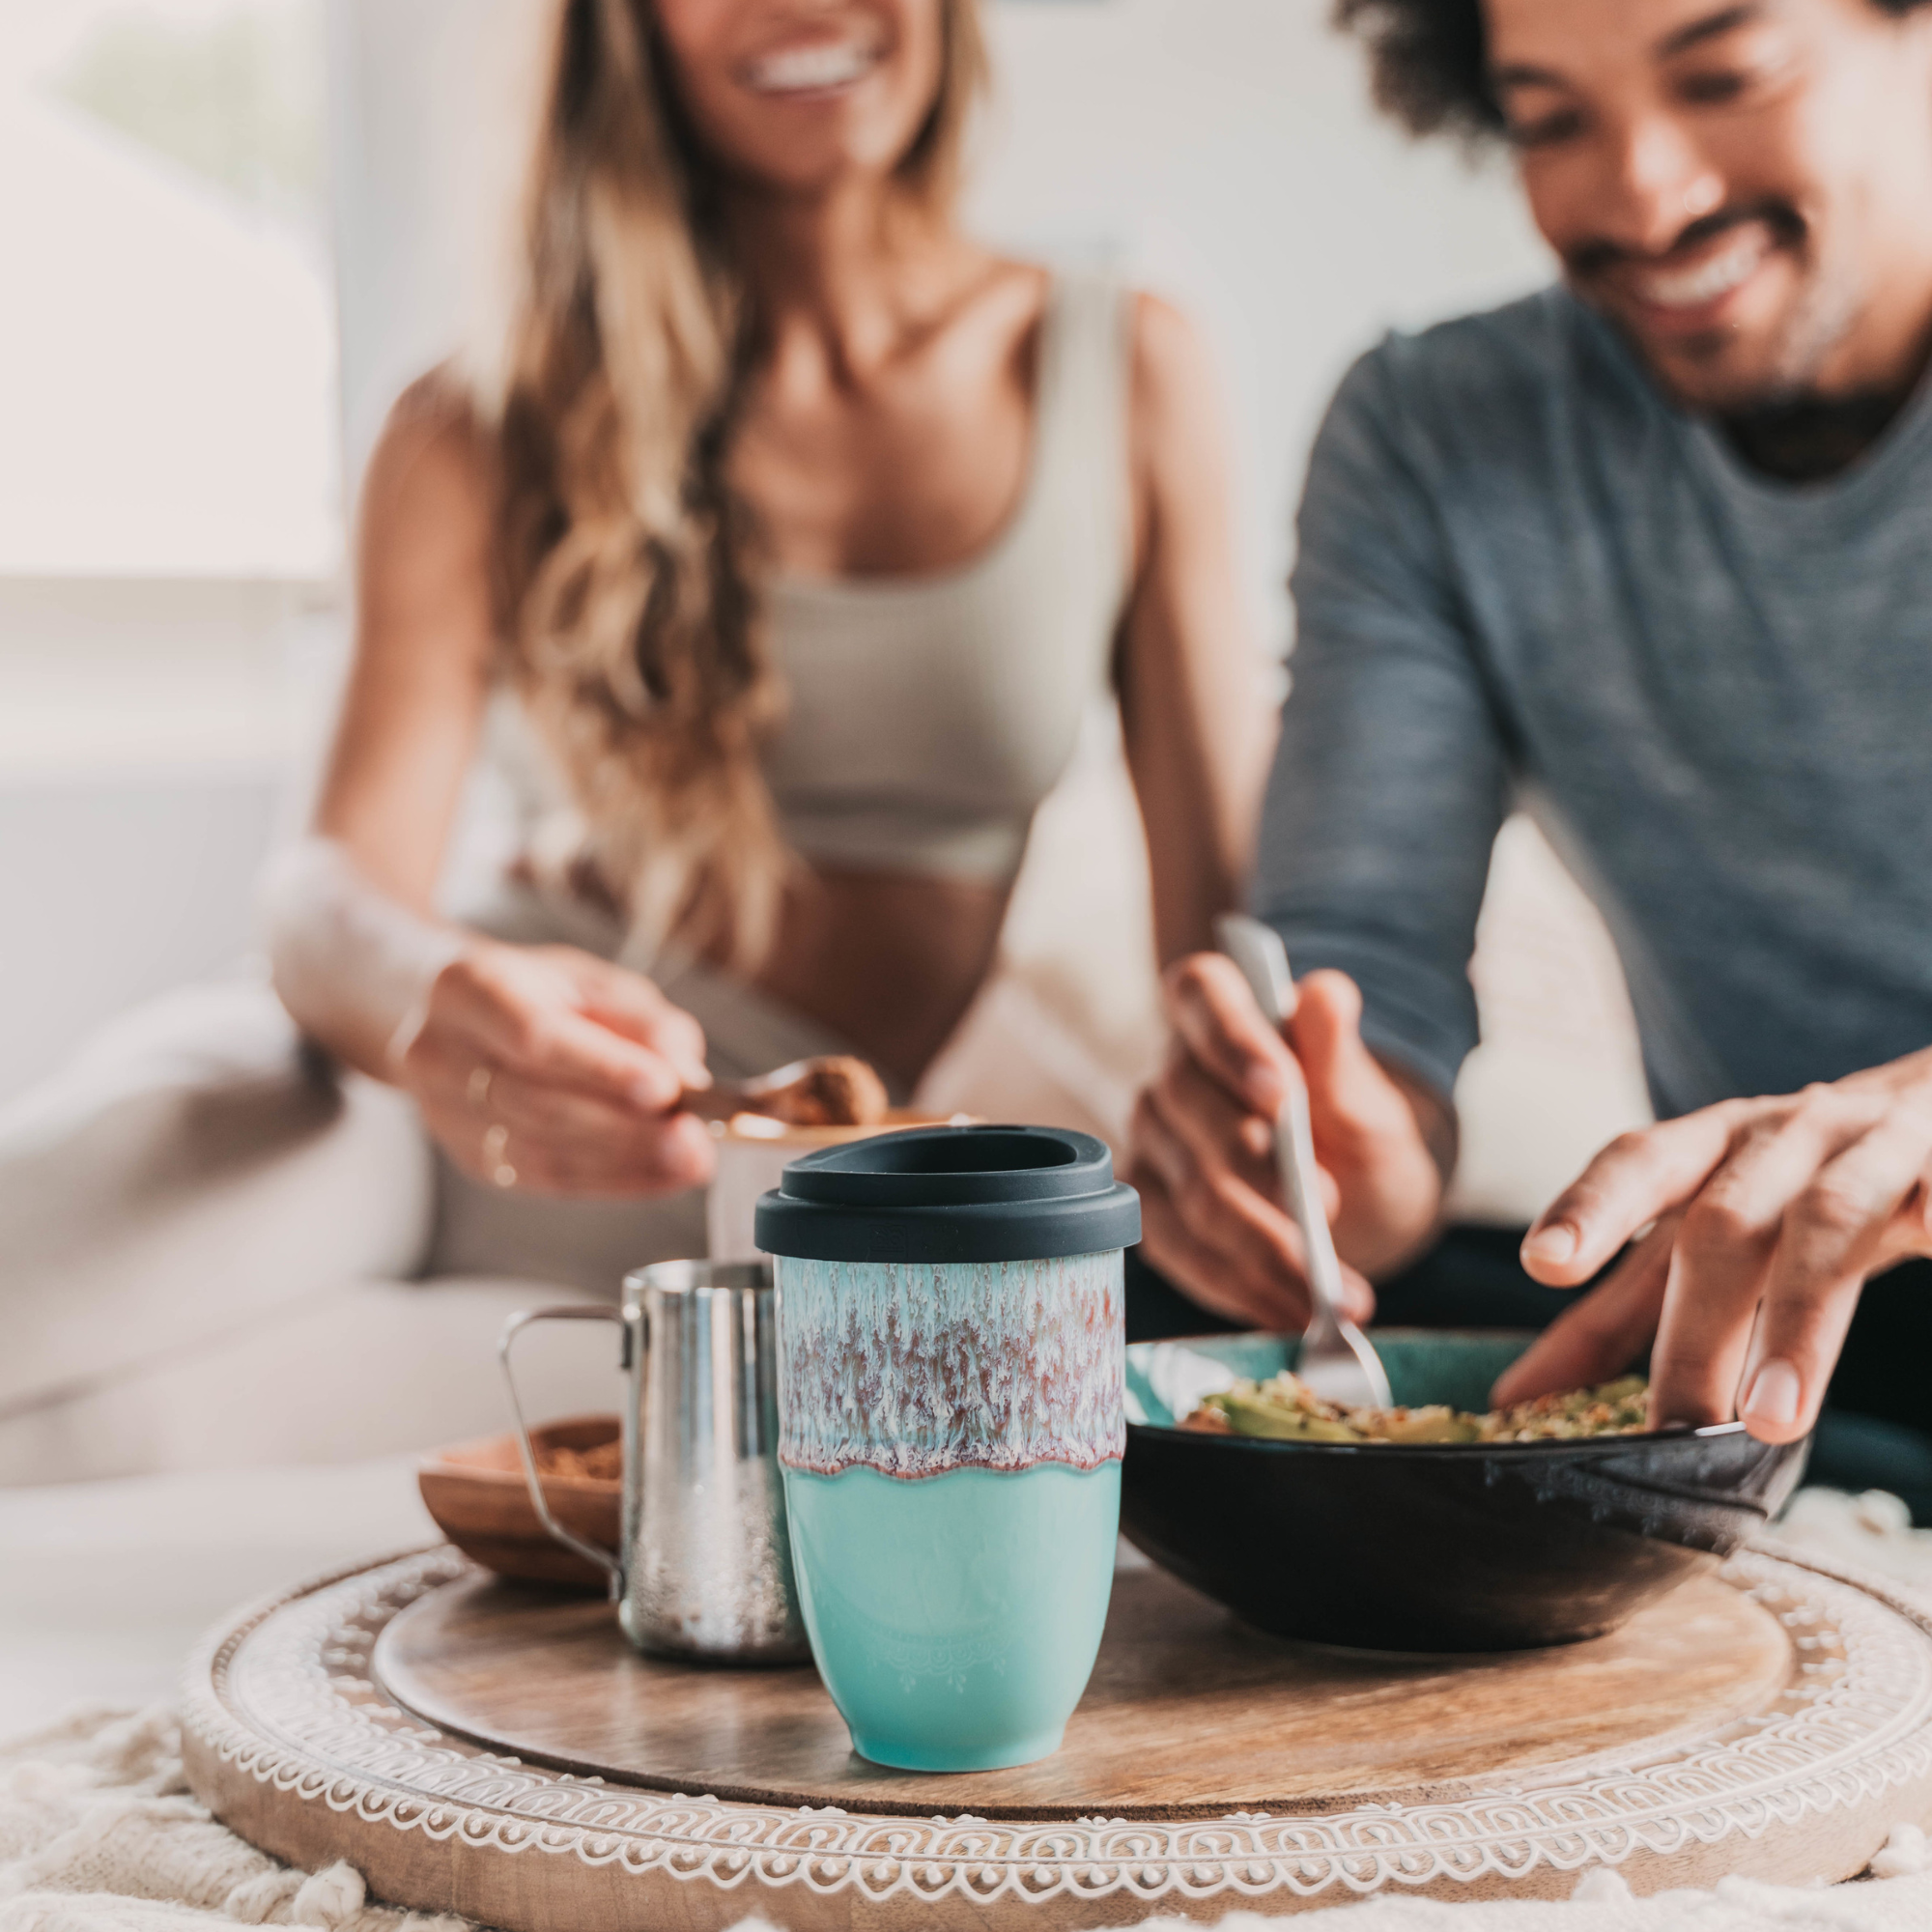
x: 217, y: 1250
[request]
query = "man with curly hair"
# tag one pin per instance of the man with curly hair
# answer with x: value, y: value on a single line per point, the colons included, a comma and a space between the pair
x: 1650, y: 552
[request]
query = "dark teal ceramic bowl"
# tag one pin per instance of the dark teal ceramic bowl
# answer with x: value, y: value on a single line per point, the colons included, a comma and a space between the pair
x: 1439, y: 1547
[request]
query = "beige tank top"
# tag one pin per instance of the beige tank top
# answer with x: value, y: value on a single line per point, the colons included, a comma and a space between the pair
x: 930, y: 715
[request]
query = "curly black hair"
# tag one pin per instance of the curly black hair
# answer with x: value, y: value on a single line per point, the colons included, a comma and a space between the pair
x: 1429, y: 64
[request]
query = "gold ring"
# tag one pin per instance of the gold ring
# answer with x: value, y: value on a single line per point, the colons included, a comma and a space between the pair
x: 478, y: 1090
x: 495, y: 1144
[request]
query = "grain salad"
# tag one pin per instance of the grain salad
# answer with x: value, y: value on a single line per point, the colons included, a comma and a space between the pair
x: 1284, y: 1409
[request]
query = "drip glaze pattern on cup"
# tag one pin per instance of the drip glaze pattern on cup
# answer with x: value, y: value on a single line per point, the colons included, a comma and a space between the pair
x: 951, y: 1435
x: 913, y: 1369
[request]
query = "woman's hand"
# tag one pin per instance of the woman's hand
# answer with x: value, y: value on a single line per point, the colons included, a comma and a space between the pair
x: 1769, y: 1217
x: 549, y: 1069
x: 1204, y: 1146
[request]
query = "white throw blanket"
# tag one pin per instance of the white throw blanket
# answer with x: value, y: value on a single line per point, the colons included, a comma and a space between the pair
x: 100, y: 1833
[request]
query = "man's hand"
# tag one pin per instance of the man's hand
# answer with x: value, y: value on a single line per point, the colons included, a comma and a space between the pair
x: 550, y: 1070
x: 1203, y: 1154
x: 1769, y: 1216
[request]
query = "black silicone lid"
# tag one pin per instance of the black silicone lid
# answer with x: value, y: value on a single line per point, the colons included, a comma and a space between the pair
x: 952, y: 1194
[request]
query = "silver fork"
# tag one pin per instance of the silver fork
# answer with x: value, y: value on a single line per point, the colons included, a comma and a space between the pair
x: 1338, y: 1362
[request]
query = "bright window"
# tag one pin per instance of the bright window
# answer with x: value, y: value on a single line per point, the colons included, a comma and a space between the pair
x: 167, y: 342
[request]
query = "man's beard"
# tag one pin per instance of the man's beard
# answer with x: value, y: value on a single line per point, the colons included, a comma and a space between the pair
x: 1813, y: 438
x: 1694, y: 373
x: 1815, y: 324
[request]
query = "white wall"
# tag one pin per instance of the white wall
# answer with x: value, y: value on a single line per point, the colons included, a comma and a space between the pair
x: 1230, y: 148
x: 148, y: 727
x: 122, y: 889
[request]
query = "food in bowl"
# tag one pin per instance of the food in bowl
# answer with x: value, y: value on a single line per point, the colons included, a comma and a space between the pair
x: 1284, y: 1409
x: 1427, y: 1546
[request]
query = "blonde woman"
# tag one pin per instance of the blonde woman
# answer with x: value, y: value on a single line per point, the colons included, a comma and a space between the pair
x: 801, y: 529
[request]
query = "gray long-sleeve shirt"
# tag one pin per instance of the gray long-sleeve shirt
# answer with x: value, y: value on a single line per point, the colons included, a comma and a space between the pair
x: 1524, y: 573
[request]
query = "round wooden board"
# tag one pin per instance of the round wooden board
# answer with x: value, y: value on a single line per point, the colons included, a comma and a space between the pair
x: 1188, y: 1714
x: 497, y: 1751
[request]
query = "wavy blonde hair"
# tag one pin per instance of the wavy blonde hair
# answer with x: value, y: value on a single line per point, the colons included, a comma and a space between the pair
x: 628, y: 597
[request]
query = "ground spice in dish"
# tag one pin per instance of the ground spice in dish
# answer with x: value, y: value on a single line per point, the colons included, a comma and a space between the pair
x: 601, y: 1463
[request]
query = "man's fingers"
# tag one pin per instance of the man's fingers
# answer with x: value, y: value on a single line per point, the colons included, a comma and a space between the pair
x: 1602, y: 1334
x: 1218, y: 1205
x: 1350, y: 1095
x: 1217, y: 1131
x: 1221, y: 1284
x: 1834, y: 1234
x: 1638, y: 1179
x: 1725, y: 1251
x: 1226, y: 1191
x: 1217, y: 1020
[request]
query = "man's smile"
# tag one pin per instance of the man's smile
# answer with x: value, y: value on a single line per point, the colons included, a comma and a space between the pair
x: 1701, y: 283
x: 1694, y: 288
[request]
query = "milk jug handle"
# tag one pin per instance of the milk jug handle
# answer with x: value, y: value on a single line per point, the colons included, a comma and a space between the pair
x: 588, y: 1310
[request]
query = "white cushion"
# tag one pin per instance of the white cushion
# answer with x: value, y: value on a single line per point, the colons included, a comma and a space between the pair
x: 362, y: 1369
x: 190, y: 1172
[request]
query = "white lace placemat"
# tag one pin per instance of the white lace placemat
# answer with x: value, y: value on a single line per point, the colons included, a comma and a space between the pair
x: 100, y: 1833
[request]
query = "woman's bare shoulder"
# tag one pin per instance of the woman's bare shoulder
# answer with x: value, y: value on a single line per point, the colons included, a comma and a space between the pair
x: 433, y: 458
x: 1171, y: 370
x: 428, y: 590
x: 1178, y: 452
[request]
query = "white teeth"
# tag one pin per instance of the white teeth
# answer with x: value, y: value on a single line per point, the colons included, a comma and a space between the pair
x: 799, y: 70
x: 1691, y: 288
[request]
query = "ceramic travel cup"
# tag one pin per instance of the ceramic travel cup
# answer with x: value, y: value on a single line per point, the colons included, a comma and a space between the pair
x: 951, y: 1348
x: 703, y: 1568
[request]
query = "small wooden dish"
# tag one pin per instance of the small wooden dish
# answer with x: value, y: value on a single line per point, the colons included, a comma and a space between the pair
x: 477, y: 1493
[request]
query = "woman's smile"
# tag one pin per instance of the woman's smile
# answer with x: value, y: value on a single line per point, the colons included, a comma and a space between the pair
x: 812, y: 66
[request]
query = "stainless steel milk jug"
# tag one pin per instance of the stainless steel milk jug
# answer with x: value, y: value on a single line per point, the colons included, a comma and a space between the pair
x: 703, y: 1569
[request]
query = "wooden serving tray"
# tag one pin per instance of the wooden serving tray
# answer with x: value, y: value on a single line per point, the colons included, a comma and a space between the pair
x: 492, y: 1750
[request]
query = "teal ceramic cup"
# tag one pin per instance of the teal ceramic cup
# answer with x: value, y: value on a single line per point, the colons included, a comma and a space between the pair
x: 951, y: 1349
